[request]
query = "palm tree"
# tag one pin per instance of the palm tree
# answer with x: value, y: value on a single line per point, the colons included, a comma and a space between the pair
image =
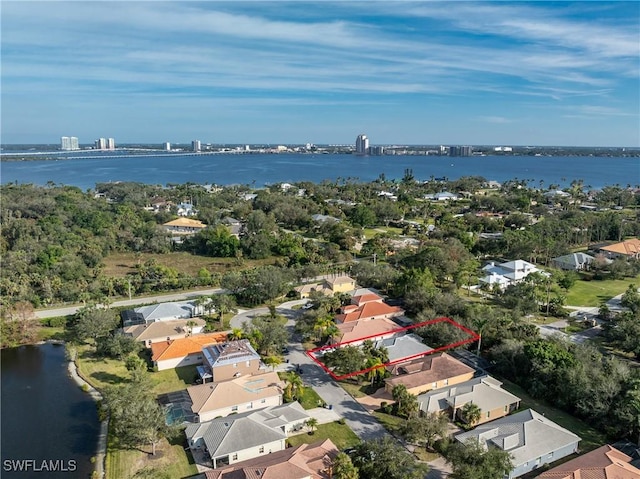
x: 312, y: 423
x: 235, y: 334
x: 480, y: 324
x: 376, y: 372
x: 190, y: 324
x: 295, y: 385
x: 471, y: 413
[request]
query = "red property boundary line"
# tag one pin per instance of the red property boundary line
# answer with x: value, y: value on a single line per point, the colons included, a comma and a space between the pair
x: 473, y: 337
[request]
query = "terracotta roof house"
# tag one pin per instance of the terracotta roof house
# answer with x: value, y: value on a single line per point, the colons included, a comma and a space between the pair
x: 162, y: 331
x: 485, y: 392
x: 429, y: 372
x: 626, y: 249
x: 183, y: 351
x: 605, y: 462
x: 367, y: 306
x: 355, y: 332
x: 229, y: 360
x: 307, y: 461
x: 232, y: 439
x: 530, y: 438
x: 236, y: 395
x: 573, y: 261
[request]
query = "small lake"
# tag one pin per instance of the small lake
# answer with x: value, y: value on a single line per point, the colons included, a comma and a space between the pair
x: 45, y: 416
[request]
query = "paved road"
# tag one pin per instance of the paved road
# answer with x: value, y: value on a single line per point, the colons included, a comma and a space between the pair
x: 356, y: 416
x: 66, y: 311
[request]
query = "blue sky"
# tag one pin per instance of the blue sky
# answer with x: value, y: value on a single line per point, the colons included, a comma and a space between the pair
x: 507, y: 73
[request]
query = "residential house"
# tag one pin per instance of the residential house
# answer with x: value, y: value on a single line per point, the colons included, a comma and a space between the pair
x: 442, y: 196
x: 573, y: 261
x: 162, y: 331
x: 403, y: 347
x: 186, y: 209
x: 426, y: 373
x: 290, y: 417
x: 158, y: 312
x: 485, y: 392
x: 229, y: 360
x: 356, y: 332
x: 181, y: 227
x: 367, y: 306
x: 183, y: 351
x: 329, y: 286
x: 307, y: 461
x: 318, y: 218
x: 233, y: 225
x: 606, y: 462
x: 531, y: 439
x: 233, y: 439
x: 241, y: 394
x: 511, y: 272
x: 625, y: 249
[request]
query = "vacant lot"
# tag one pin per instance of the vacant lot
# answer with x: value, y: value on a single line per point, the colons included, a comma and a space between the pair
x: 121, y: 264
x: 594, y: 293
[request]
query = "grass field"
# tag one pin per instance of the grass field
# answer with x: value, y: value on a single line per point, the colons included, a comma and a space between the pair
x: 170, y: 459
x: 341, y: 435
x: 591, y: 438
x: 594, y: 293
x: 122, y: 264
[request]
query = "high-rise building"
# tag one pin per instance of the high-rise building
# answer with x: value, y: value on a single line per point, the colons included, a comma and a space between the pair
x: 111, y: 144
x: 69, y: 143
x: 460, y: 151
x: 195, y: 145
x: 362, y: 145
x: 166, y: 146
x: 101, y: 144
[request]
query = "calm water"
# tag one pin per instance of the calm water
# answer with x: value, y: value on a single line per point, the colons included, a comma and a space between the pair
x: 261, y: 169
x: 45, y: 416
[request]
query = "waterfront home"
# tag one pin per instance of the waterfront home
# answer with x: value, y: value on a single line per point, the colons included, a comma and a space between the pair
x: 180, y: 352
x: 160, y: 331
x: 485, y: 392
x: 531, y: 439
x: 606, y: 462
x: 307, y: 461
x: 232, y: 439
x: 246, y: 393
x: 429, y: 372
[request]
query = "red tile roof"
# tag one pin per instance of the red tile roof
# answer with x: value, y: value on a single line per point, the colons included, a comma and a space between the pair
x: 179, y: 348
x: 605, y: 462
x: 366, y: 311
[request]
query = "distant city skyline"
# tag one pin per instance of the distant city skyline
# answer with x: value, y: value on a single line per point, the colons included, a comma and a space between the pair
x: 414, y: 73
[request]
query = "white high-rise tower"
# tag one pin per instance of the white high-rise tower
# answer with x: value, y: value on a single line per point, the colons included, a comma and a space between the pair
x: 362, y: 145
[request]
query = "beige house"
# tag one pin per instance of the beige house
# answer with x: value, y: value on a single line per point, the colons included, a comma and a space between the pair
x: 485, y: 392
x: 162, y: 331
x: 238, y: 395
x: 229, y: 360
x: 355, y: 332
x: 329, y: 286
x: 181, y: 227
x: 429, y: 372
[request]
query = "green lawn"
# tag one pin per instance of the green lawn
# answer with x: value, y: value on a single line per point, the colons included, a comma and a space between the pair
x: 341, y: 435
x: 356, y: 390
x: 171, y: 380
x: 594, y: 292
x: 171, y: 459
x: 591, y: 438
x: 392, y: 423
x: 309, y: 398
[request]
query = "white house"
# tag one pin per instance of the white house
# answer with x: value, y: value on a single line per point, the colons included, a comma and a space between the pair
x: 511, y: 272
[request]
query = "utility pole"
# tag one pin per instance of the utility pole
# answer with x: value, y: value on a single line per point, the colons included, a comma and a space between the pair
x: 129, y: 279
x: 374, y: 258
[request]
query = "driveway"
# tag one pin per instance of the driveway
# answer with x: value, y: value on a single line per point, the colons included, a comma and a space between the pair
x: 356, y: 416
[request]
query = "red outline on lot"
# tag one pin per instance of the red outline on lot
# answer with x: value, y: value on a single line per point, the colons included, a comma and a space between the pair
x: 473, y: 337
